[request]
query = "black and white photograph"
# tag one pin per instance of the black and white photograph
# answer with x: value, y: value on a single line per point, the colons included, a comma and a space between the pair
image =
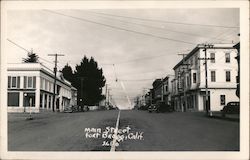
x: 125, y: 80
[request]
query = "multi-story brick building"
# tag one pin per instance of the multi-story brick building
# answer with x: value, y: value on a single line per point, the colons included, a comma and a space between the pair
x: 188, y: 85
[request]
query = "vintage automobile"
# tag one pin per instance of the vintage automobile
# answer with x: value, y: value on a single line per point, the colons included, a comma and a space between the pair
x: 153, y: 108
x: 71, y: 109
x: 231, y: 108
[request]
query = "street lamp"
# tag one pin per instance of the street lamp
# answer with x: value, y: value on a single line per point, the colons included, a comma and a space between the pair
x: 30, y: 105
x: 24, y: 109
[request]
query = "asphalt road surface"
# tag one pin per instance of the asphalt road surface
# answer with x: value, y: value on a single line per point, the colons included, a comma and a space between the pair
x: 136, y: 131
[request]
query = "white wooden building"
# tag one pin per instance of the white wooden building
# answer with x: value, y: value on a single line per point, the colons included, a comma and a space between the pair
x: 30, y: 86
x: 188, y: 91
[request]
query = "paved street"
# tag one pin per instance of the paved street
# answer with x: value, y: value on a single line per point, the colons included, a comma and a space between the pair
x: 141, y: 131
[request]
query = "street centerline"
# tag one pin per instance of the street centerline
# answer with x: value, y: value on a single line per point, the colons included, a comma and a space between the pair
x: 116, y: 130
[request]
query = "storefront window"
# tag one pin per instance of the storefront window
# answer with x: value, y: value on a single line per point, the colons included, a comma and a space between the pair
x: 13, y: 99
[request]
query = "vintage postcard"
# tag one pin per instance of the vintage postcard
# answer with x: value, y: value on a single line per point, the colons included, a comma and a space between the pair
x: 124, y: 80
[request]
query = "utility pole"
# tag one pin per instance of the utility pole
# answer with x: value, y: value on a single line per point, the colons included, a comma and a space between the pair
x: 108, y: 95
x: 106, y: 92
x: 81, y: 99
x: 162, y: 89
x: 54, y: 87
x: 184, y: 107
x: 206, y: 46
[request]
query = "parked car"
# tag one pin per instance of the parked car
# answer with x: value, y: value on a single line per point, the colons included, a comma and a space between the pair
x: 231, y: 108
x: 71, y: 109
x: 153, y: 108
x: 85, y: 108
x: 68, y: 110
x: 163, y: 107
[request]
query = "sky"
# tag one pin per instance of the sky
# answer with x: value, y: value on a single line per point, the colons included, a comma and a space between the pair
x: 132, y: 46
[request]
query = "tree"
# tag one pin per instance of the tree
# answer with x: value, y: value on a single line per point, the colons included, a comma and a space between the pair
x: 89, y: 81
x: 68, y: 73
x: 32, y: 58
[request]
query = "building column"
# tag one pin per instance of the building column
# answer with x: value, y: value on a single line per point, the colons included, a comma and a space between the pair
x: 51, y: 102
x: 37, y: 94
x: 43, y: 99
x: 21, y: 100
x: 47, y: 102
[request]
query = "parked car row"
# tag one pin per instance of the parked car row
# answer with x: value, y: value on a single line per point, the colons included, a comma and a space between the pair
x: 230, y: 108
x: 76, y: 108
x: 160, y: 107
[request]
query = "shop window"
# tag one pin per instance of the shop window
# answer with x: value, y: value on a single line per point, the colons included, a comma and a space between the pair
x: 13, y: 99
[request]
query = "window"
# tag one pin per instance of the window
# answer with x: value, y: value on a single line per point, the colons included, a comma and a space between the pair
x: 222, y: 99
x: 212, y: 56
x: 228, y: 76
x: 191, y: 62
x: 41, y: 83
x: 213, y: 76
x: 13, y: 99
x: 166, y: 88
x: 29, y: 82
x: 13, y: 82
x: 46, y: 85
x: 49, y: 86
x: 227, y: 56
x: 194, y: 77
x: 196, y: 61
x: 9, y: 81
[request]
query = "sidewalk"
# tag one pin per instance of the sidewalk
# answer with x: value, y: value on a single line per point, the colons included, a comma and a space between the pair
x: 217, y: 115
x: 230, y: 117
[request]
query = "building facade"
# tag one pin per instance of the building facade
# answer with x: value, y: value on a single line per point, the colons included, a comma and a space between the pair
x: 162, y: 90
x: 189, y: 83
x: 30, y: 88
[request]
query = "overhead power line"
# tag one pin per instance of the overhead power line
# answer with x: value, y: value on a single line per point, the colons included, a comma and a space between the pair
x: 18, y: 45
x: 28, y: 51
x: 137, y: 79
x: 153, y: 27
x: 170, y: 22
x: 120, y: 28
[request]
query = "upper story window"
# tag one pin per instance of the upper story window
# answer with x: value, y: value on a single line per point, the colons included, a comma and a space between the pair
x: 191, y: 62
x: 166, y: 88
x: 29, y: 82
x: 213, y: 76
x: 222, y: 99
x: 228, y: 76
x: 212, y: 56
x: 46, y: 85
x: 196, y: 60
x: 194, y: 78
x: 13, y: 81
x: 227, y: 57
